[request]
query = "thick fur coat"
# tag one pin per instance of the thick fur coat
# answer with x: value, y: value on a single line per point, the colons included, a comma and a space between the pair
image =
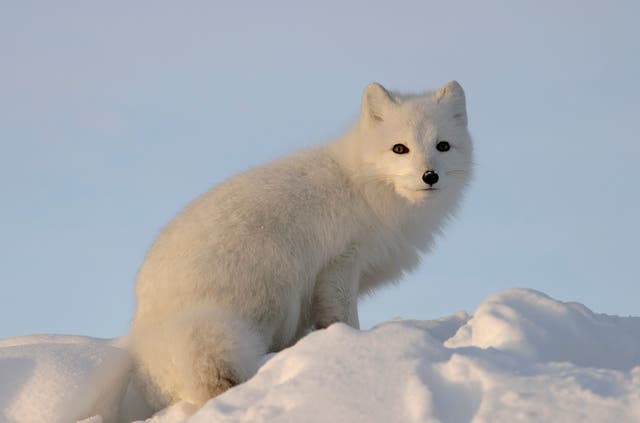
x: 259, y: 260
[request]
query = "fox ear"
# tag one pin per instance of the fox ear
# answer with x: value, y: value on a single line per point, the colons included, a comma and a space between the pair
x: 376, y: 102
x: 453, y: 94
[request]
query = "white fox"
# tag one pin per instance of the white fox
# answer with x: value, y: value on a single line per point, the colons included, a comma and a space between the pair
x: 253, y: 264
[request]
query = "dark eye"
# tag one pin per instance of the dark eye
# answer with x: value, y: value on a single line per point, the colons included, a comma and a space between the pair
x: 443, y: 146
x: 400, y: 149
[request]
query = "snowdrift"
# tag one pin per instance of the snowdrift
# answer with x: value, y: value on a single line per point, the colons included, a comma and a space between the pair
x: 57, y: 378
x: 522, y: 356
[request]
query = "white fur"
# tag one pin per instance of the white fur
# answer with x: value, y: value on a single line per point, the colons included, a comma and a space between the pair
x: 253, y: 264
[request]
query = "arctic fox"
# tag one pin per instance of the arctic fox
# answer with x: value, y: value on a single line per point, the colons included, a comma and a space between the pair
x: 259, y: 260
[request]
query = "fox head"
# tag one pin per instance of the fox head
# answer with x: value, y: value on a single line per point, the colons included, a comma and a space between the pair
x: 418, y: 145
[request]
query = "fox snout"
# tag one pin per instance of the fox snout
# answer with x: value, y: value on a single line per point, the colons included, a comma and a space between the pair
x: 430, y: 177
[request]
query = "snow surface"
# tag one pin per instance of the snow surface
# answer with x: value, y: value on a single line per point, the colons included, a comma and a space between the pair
x: 522, y: 356
x: 57, y: 378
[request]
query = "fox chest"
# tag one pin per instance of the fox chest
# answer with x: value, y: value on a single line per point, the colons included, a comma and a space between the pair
x: 383, y: 257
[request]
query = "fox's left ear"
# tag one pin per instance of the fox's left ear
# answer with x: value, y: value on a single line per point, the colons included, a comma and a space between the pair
x: 453, y: 95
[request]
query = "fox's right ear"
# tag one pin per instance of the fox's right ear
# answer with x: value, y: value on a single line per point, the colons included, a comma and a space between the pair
x: 376, y: 102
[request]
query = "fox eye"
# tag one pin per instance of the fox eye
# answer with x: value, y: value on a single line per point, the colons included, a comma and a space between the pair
x: 400, y: 149
x: 443, y: 146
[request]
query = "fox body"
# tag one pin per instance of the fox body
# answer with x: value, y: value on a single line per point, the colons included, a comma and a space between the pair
x: 256, y: 262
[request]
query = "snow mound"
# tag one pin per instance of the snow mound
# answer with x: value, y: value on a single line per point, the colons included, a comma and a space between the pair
x: 522, y: 356
x: 57, y: 378
x: 531, y: 325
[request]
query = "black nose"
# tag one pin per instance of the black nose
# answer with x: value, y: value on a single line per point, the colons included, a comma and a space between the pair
x: 430, y: 177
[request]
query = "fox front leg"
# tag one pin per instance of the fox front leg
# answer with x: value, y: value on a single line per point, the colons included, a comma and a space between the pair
x: 335, y: 297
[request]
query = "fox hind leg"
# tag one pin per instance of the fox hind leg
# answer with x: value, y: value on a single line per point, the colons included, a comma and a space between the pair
x: 194, y: 355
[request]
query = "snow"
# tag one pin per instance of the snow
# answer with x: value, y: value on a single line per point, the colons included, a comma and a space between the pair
x: 522, y: 356
x: 533, y: 326
x: 56, y: 378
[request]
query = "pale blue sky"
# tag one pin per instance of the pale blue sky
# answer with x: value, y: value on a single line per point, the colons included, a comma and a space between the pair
x: 113, y: 115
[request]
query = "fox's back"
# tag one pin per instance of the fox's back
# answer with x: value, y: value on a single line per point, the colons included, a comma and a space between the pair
x: 278, y: 222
